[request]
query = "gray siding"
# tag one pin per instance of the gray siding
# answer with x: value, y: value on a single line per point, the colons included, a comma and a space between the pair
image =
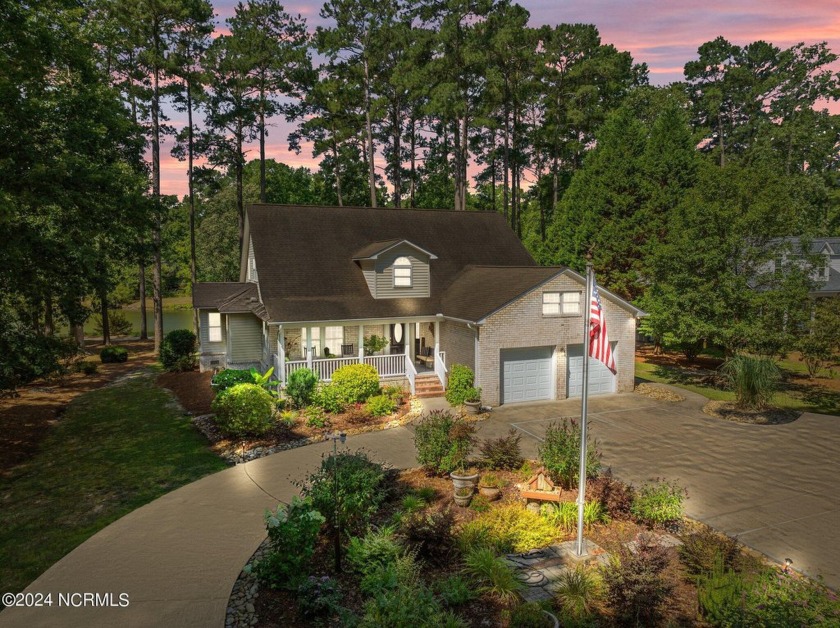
x: 369, y: 271
x: 384, y: 266
x: 205, y: 345
x: 245, y: 338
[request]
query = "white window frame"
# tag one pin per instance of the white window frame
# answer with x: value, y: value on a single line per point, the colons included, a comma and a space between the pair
x: 558, y: 303
x: 404, y: 280
x: 333, y: 339
x: 214, y: 327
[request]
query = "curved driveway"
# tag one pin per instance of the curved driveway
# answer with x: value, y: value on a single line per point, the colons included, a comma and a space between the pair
x: 178, y: 557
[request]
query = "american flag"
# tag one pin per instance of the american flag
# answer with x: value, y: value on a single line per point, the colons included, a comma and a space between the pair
x: 599, y: 342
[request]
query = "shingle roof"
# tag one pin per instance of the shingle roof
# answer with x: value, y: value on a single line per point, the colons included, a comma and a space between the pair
x: 210, y: 294
x: 305, y: 256
x: 374, y: 249
x: 481, y: 290
x: 229, y: 298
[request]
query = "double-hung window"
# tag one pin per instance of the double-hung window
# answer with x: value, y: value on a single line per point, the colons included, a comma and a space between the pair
x: 214, y: 327
x: 561, y: 303
x: 402, y: 272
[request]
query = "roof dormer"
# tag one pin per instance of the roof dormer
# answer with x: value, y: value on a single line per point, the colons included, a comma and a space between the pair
x: 395, y: 269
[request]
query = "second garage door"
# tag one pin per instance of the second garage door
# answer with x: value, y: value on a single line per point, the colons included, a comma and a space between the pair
x: 601, y: 379
x: 526, y: 374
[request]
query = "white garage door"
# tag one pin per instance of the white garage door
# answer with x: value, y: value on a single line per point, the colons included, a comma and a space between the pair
x: 526, y: 374
x: 601, y: 379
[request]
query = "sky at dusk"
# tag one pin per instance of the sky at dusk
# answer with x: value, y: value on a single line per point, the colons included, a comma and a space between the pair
x: 665, y: 34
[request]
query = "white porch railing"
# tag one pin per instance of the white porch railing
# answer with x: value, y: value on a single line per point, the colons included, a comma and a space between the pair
x: 385, y: 365
x: 325, y: 368
x: 292, y: 366
x: 440, y: 368
x: 410, y: 371
x: 388, y: 365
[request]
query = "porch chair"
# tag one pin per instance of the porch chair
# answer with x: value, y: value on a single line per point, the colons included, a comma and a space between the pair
x: 348, y: 350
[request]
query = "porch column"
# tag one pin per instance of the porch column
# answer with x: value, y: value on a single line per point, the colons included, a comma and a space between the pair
x: 281, y: 353
x: 437, y: 340
x: 361, y: 343
x: 408, y: 338
x: 309, y: 348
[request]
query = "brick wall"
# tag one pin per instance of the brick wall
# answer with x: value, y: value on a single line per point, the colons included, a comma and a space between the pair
x: 458, y: 341
x: 522, y: 324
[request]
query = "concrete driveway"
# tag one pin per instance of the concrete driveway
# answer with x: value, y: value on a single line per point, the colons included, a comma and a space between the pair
x: 773, y: 487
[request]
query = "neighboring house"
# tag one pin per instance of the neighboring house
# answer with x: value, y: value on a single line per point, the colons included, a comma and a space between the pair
x: 823, y: 255
x: 443, y: 287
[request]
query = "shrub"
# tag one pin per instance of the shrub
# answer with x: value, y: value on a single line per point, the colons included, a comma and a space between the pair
x: 327, y: 398
x: 636, y: 587
x: 560, y: 453
x: 443, y: 442
x: 354, y: 383
x: 403, y: 571
x: 616, y: 497
x: 461, y: 380
x: 491, y: 480
x: 479, y: 503
x: 492, y: 574
x: 380, y: 405
x: 577, y: 591
x: 754, y: 380
x: 318, y: 597
x: 316, y: 418
x: 659, y: 503
x: 112, y: 354
x: 528, y: 615
x: 503, y: 452
x: 288, y: 418
x: 244, y: 409
x: 228, y: 378
x: 508, y: 528
x: 565, y: 514
x: 472, y: 395
x: 360, y: 489
x: 374, y: 550
x: 300, y: 387
x: 177, y: 351
x: 412, y: 503
x: 702, y: 551
x: 720, y: 592
x: 407, y: 606
x: 395, y: 393
x: 453, y: 590
x: 118, y: 324
x: 296, y: 525
x: 88, y: 368
x: 374, y: 343
x: 429, y: 535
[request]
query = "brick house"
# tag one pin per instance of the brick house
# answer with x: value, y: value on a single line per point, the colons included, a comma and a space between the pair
x: 440, y: 287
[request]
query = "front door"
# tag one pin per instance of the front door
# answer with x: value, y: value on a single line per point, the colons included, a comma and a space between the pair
x: 397, y: 338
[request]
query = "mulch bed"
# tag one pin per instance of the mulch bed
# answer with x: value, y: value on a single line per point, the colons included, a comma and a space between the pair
x: 26, y: 420
x: 191, y: 388
x: 660, y: 393
x: 767, y: 416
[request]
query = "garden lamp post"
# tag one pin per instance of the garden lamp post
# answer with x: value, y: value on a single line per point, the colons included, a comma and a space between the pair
x: 341, y: 436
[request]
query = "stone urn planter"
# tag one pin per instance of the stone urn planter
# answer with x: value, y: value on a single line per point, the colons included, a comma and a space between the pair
x: 491, y: 486
x: 463, y: 496
x: 490, y: 492
x: 472, y: 407
x: 464, y: 480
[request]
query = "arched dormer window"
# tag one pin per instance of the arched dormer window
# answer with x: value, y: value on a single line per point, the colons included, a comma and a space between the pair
x: 402, y: 272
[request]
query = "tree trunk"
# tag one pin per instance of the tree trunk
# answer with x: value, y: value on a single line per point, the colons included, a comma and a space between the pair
x: 103, y: 312
x: 506, y: 163
x: 397, y: 157
x: 238, y: 168
x: 77, y: 331
x: 191, y: 191
x: 144, y: 323
x: 49, y: 323
x: 413, y: 183
x: 720, y: 141
x: 465, y: 155
x: 262, y: 145
x: 369, y: 133
x: 157, y: 272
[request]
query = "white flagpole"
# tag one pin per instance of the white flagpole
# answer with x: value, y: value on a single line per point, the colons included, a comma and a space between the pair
x: 587, y: 307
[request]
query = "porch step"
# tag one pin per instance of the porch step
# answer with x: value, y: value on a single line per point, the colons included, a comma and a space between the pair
x: 427, y: 387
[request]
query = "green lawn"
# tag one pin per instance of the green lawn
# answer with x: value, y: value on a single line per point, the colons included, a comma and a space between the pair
x: 798, y: 397
x: 114, y: 450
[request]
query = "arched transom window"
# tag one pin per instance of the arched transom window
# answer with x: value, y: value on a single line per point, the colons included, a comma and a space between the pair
x: 402, y: 272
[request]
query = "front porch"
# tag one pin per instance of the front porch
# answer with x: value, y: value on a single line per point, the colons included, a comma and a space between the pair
x: 398, y: 349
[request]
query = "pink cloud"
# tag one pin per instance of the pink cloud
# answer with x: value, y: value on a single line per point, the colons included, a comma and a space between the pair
x: 663, y: 34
